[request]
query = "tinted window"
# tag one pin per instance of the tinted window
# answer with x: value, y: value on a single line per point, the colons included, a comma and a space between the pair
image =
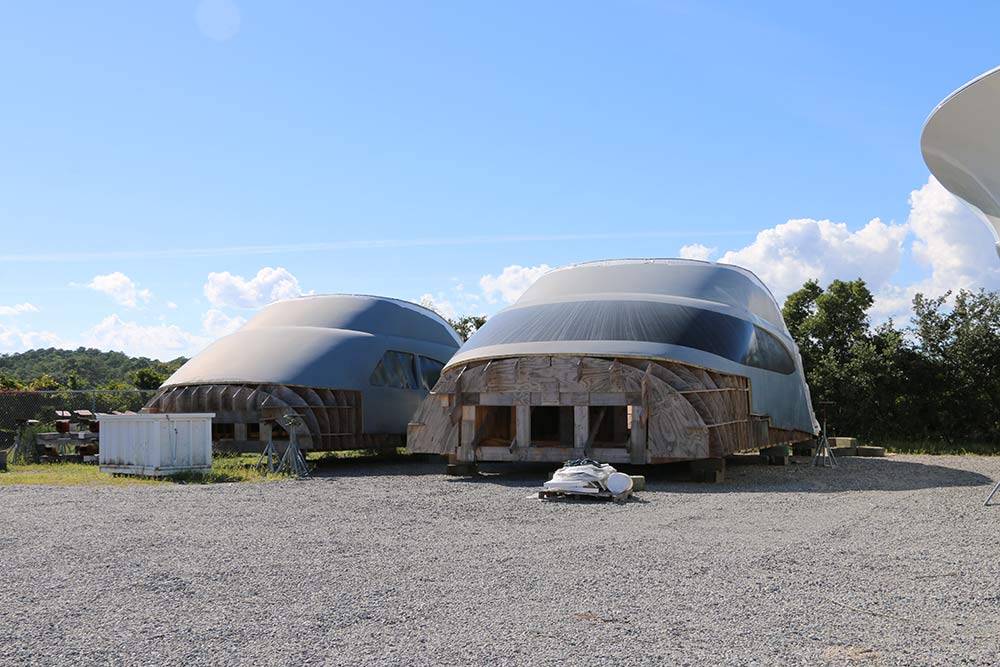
x: 430, y: 371
x: 395, y: 369
x: 706, y: 330
x: 768, y: 352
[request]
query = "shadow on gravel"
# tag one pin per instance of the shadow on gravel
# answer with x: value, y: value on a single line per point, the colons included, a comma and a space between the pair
x: 377, y: 466
x: 852, y: 474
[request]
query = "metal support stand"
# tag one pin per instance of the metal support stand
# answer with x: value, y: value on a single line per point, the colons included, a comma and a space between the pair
x: 271, y: 454
x: 293, y: 462
x: 22, y: 452
x: 992, y: 493
x: 824, y: 455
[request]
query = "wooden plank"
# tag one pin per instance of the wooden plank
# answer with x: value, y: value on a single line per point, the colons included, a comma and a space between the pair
x: 575, y: 398
x: 615, y: 398
x: 522, y: 428
x: 581, y: 427
x: 469, y: 398
x: 467, y: 438
x: 557, y: 455
x: 637, y: 437
x: 496, y: 398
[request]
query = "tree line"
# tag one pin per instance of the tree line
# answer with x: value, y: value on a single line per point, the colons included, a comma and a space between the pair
x: 936, y: 379
x: 82, y: 368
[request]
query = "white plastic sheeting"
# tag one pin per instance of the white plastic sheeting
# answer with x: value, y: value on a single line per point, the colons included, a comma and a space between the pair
x: 156, y: 444
x: 590, y: 478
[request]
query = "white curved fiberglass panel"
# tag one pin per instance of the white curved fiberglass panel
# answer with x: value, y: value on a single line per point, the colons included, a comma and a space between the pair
x: 961, y: 146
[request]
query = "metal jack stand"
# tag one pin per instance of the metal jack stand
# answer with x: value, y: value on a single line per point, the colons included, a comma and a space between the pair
x: 824, y: 455
x: 293, y: 462
x: 22, y: 452
x: 271, y: 454
x: 992, y: 493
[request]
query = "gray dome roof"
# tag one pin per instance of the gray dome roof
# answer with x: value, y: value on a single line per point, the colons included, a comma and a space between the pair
x: 331, y: 341
x: 715, y: 316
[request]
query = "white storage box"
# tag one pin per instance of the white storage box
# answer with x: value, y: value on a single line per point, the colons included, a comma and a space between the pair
x: 156, y: 444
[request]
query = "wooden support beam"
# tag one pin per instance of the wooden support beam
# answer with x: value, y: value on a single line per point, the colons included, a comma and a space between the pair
x: 637, y: 437
x: 581, y: 427
x: 593, y: 432
x: 522, y: 429
x: 467, y: 436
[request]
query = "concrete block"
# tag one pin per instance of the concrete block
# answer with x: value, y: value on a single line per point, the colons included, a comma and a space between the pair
x: 638, y: 482
x: 807, y: 448
x: 462, y: 469
x: 776, y: 456
x: 843, y: 442
x: 871, y: 451
x: 708, y: 471
x: 844, y: 451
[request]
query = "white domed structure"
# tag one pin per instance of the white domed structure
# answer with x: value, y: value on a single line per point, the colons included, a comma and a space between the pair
x: 961, y: 146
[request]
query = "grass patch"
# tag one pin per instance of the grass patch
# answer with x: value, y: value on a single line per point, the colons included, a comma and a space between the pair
x: 939, y: 447
x: 224, y: 469
x: 364, y: 454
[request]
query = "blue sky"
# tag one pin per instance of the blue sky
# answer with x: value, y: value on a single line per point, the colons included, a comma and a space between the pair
x: 168, y: 167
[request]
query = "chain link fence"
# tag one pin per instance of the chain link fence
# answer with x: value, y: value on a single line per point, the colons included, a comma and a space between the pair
x: 42, y: 405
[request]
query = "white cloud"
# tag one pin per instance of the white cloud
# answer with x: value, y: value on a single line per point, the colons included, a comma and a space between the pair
x: 13, y: 339
x: 217, y: 324
x: 19, y: 308
x: 121, y: 288
x: 225, y: 290
x: 171, y: 305
x: 440, y: 305
x: 697, y: 251
x: 789, y: 254
x: 511, y: 283
x: 952, y: 241
x: 161, y: 341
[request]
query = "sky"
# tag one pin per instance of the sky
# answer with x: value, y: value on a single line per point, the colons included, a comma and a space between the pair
x: 167, y: 168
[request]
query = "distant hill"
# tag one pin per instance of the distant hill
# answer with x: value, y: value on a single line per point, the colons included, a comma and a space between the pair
x: 82, y: 368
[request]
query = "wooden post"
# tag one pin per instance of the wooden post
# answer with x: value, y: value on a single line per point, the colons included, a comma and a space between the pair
x: 637, y: 438
x: 581, y: 429
x: 467, y: 435
x: 522, y: 426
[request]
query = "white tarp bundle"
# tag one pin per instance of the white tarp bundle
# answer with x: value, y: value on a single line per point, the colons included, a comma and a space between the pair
x: 589, y: 477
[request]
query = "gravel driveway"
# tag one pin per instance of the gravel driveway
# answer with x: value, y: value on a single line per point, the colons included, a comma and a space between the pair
x: 882, y: 561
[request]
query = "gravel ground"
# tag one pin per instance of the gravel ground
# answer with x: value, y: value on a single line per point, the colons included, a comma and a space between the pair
x: 882, y: 561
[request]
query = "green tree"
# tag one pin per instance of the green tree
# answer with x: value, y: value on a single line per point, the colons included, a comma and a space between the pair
x: 10, y: 382
x: 44, y: 383
x: 467, y: 325
x: 73, y: 381
x: 147, y: 378
x: 848, y: 365
x: 960, y: 347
